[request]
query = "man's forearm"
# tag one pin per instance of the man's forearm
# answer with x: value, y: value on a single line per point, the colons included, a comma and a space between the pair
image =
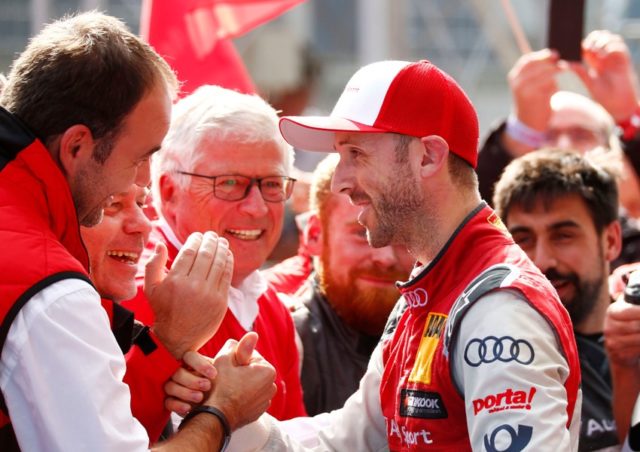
x: 203, y: 432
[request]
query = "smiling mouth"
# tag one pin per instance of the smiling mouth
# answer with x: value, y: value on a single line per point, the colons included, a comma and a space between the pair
x: 127, y: 257
x: 245, y: 234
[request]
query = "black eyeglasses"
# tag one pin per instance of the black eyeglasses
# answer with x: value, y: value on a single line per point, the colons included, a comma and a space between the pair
x: 234, y: 187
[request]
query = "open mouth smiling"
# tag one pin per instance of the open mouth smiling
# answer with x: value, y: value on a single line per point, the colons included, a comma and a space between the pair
x: 245, y: 234
x: 127, y: 257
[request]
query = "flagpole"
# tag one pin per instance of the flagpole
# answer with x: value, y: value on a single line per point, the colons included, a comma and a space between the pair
x: 516, y: 28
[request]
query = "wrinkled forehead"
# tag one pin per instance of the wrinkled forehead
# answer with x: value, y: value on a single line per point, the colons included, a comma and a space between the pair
x: 241, y: 157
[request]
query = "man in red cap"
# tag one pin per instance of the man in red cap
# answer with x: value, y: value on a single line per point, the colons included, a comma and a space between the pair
x: 479, y: 352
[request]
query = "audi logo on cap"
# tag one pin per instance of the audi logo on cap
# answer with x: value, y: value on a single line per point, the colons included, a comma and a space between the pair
x: 504, y: 349
x: 416, y: 298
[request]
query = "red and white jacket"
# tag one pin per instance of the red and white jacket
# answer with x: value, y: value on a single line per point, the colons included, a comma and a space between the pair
x: 478, y: 354
x: 423, y: 404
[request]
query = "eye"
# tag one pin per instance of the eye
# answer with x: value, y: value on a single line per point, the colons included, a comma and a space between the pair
x: 224, y: 182
x: 142, y: 161
x: 113, y: 208
x: 272, y: 183
x: 523, y: 240
x: 563, y: 236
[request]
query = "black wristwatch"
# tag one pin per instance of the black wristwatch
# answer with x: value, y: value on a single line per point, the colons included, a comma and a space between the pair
x: 226, y: 429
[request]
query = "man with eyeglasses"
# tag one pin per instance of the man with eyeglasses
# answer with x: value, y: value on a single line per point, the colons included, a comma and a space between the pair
x: 224, y: 167
x: 543, y: 116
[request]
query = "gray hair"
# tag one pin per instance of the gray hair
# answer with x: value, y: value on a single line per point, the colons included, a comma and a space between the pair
x: 214, y: 113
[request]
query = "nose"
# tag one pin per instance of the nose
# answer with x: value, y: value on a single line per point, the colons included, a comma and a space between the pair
x: 137, y: 222
x: 341, y: 182
x: 254, y: 204
x: 543, y: 256
x: 384, y: 257
x: 564, y: 142
x: 143, y: 174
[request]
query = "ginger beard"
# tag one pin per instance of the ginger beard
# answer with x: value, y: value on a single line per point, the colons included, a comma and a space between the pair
x: 362, y: 307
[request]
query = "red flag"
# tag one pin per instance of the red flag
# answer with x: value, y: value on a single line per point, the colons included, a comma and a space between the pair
x: 194, y: 37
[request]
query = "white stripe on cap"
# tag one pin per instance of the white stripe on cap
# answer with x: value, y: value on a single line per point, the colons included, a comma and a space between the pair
x: 363, y: 96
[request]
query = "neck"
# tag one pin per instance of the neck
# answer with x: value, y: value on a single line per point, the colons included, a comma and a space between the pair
x: 594, y: 323
x: 434, y: 230
x: 237, y: 280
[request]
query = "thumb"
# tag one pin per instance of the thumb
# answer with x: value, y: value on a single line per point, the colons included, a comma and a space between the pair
x: 245, y: 348
x: 154, y: 269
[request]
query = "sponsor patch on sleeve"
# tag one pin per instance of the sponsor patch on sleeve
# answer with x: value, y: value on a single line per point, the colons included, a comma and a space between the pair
x: 506, y: 438
x: 509, y: 399
x: 421, y: 404
x: 492, y: 349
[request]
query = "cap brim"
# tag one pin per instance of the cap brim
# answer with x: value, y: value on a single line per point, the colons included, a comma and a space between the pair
x: 316, y: 133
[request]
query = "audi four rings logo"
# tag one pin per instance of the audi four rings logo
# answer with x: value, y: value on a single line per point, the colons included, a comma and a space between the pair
x: 504, y: 349
x: 416, y: 298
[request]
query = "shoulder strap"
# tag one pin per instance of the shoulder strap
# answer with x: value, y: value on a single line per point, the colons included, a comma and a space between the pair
x: 494, y: 277
x: 23, y: 299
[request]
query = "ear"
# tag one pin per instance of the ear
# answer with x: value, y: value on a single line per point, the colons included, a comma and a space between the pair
x: 313, y: 235
x: 612, y: 240
x: 76, y: 146
x: 167, y: 188
x: 435, y: 151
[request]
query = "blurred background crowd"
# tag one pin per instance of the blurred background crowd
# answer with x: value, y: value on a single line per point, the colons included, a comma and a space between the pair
x: 470, y: 39
x: 300, y: 57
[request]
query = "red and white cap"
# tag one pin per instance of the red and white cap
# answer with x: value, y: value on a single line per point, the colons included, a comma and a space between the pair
x: 416, y: 99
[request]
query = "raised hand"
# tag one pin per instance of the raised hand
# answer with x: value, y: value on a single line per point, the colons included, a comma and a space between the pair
x: 244, y: 386
x: 622, y: 333
x: 190, y: 300
x: 532, y: 82
x: 607, y: 72
x: 241, y: 385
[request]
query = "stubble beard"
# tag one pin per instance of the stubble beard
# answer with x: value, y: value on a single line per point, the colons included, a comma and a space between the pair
x: 396, y: 211
x: 584, y: 300
x: 586, y: 296
x: 89, y: 210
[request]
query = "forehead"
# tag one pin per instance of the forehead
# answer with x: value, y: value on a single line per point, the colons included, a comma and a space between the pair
x: 567, y: 116
x: 144, y: 128
x: 233, y: 157
x: 543, y: 215
x: 364, y: 140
